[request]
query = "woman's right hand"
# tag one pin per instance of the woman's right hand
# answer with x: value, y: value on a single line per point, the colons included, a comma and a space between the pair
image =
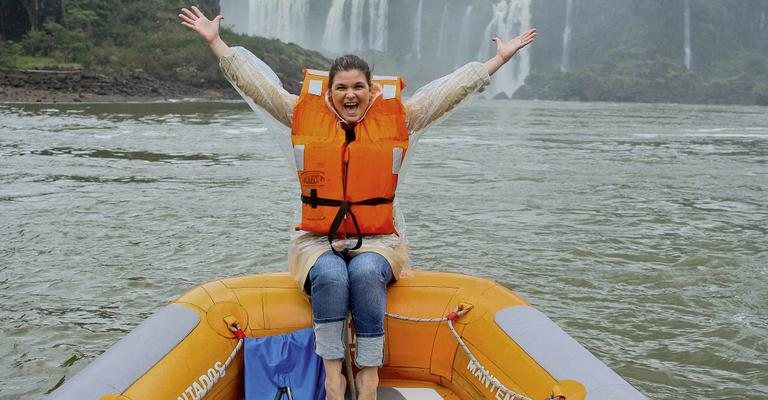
x: 198, y: 22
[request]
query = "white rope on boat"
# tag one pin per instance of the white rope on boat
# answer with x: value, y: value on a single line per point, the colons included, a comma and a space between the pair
x: 454, y: 315
x: 234, y: 328
x: 233, y: 354
x: 458, y: 313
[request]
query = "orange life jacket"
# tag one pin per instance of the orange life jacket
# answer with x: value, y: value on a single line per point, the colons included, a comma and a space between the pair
x: 348, y: 175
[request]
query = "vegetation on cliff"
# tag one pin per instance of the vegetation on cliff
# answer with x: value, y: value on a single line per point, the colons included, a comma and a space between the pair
x: 111, y: 36
x: 628, y: 50
x: 638, y: 76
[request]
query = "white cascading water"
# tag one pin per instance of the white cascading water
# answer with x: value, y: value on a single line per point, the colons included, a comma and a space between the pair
x: 379, y: 23
x: 466, y: 25
x: 687, y: 26
x: 497, y: 19
x: 360, y: 25
x: 762, y: 19
x: 566, y: 61
x: 442, y: 42
x: 510, y: 18
x: 334, y: 28
x: 356, y: 38
x: 417, y: 29
x: 344, y: 33
x: 279, y: 19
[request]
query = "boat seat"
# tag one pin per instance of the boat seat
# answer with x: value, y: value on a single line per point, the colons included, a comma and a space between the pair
x: 389, y: 393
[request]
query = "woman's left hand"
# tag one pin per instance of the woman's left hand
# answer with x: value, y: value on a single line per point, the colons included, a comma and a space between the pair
x: 506, y: 50
x: 198, y: 22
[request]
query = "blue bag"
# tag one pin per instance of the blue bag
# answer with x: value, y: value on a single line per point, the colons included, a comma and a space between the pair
x: 283, y: 367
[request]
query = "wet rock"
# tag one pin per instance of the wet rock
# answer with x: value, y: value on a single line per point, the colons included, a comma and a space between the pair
x: 28, y: 85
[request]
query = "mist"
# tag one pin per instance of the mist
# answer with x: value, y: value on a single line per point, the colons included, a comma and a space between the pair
x: 425, y: 39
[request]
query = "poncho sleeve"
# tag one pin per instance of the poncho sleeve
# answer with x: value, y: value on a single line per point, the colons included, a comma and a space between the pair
x: 258, y: 84
x: 431, y: 102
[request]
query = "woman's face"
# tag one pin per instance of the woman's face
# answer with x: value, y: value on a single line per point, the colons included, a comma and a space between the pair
x: 350, y: 94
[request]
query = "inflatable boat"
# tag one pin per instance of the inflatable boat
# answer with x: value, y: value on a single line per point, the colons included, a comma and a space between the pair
x: 448, y: 337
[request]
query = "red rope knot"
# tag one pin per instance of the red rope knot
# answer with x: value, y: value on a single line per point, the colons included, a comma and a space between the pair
x: 235, y: 328
x: 460, y: 310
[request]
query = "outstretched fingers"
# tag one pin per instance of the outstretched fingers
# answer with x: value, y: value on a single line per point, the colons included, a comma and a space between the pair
x: 197, y: 12
x: 188, y: 14
x: 186, y: 19
x: 195, y: 20
x: 528, y: 36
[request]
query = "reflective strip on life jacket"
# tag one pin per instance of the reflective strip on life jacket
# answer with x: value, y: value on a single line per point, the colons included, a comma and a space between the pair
x: 348, y: 175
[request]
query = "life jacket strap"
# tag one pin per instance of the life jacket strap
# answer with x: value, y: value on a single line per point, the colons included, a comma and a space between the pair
x: 344, y: 209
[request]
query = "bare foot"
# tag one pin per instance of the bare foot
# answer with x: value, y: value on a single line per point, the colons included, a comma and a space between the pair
x: 367, y: 381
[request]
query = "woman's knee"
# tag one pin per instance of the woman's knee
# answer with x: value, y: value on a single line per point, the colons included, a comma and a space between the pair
x: 369, y: 267
x: 329, y: 289
x: 329, y: 270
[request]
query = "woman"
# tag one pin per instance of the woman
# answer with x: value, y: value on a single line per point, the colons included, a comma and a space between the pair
x: 351, y: 132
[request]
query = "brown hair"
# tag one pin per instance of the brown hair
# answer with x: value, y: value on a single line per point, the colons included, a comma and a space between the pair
x: 347, y: 63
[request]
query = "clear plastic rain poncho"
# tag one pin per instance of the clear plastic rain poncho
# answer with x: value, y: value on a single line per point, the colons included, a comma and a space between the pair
x: 261, y: 89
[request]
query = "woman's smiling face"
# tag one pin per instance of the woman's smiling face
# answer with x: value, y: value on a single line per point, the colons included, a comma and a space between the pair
x: 350, y: 94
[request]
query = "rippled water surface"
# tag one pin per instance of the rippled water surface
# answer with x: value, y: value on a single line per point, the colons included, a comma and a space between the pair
x: 640, y: 229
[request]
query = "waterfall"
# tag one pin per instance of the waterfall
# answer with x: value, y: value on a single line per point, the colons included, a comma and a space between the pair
x: 463, y: 43
x: 510, y: 18
x: 762, y: 18
x: 334, y: 25
x: 346, y: 22
x: 340, y: 26
x: 356, y: 37
x: 442, y: 41
x: 565, y: 64
x: 497, y: 19
x: 687, y: 27
x: 379, y: 22
x: 282, y: 19
x: 417, y: 29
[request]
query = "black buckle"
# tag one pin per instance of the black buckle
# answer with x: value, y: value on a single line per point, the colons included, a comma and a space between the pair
x: 313, y: 198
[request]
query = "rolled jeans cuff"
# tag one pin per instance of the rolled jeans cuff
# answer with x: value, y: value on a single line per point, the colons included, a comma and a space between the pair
x: 370, y: 351
x: 329, y: 340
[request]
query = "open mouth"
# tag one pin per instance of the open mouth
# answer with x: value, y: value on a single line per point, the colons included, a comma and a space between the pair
x: 350, y: 107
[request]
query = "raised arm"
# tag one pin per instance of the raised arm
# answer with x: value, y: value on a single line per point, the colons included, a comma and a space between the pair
x: 251, y: 77
x: 435, y: 99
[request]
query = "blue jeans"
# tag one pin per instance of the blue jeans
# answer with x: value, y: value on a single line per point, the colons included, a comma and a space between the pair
x: 360, y: 286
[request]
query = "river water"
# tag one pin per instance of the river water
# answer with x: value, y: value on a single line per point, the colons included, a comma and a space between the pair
x: 640, y: 229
